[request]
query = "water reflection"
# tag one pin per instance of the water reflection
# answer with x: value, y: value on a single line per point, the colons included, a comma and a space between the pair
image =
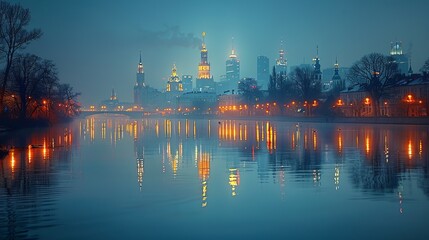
x: 213, y: 160
x: 29, y: 183
x: 302, y: 149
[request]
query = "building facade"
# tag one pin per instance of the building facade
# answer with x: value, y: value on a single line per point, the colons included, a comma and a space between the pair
x: 408, y: 98
x: 263, y: 71
x: 187, y: 83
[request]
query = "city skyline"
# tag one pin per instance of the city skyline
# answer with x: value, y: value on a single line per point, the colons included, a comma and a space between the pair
x: 97, y: 45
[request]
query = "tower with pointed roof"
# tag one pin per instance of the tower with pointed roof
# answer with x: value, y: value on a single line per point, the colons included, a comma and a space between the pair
x: 140, y: 83
x: 204, y: 81
x: 316, y: 66
x: 140, y: 73
x: 337, y: 82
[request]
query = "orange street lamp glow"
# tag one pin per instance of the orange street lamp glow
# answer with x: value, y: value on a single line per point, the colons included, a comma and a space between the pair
x: 366, y: 101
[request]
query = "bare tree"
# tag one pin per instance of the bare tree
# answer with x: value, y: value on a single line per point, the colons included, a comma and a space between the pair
x: 376, y: 74
x: 280, y: 88
x: 68, y: 96
x: 26, y: 71
x: 250, y: 90
x: 13, y: 36
x: 307, y: 85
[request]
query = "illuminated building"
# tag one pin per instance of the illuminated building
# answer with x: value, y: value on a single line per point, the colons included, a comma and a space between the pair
x: 110, y: 104
x: 281, y: 63
x: 232, y: 70
x: 409, y: 97
x: 140, y: 82
x: 174, y: 88
x: 204, y: 81
x: 316, y: 66
x: 187, y: 83
x: 399, y: 57
x: 174, y: 84
x: 145, y: 96
x: 336, y: 81
x: 263, y: 71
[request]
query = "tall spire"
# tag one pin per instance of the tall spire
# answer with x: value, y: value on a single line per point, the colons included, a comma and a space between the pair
x: 204, y: 66
x: 318, y: 73
x: 232, y: 55
x: 410, y: 70
x: 174, y: 71
x: 203, y: 46
x: 140, y: 65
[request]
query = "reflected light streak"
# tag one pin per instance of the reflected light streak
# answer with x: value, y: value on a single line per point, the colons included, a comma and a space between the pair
x: 12, y: 160
x: 44, y: 149
x: 340, y: 142
x: 410, y: 150
x: 157, y: 128
x: 257, y: 132
x: 234, y: 180
x: 314, y: 140
x: 187, y: 128
x: 140, y: 171
x: 367, y: 147
x: 337, y: 177
x: 179, y: 128
x: 195, y: 130
x: 209, y: 129
x: 29, y: 154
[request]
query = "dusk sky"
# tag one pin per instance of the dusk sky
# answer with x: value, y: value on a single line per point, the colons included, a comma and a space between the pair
x: 96, y: 44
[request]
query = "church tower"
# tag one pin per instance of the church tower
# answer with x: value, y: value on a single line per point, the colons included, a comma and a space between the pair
x: 317, y: 71
x: 174, y: 84
x: 140, y: 83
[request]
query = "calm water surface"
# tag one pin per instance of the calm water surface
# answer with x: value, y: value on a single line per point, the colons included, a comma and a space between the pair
x: 111, y: 177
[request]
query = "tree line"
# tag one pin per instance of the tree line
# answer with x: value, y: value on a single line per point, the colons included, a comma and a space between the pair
x: 374, y: 73
x: 29, y: 85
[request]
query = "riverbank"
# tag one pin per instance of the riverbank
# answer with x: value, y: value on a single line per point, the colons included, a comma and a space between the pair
x: 357, y: 120
x: 7, y: 125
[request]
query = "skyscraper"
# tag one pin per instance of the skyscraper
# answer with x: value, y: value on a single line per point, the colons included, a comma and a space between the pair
x: 399, y: 57
x: 204, y: 82
x: 233, y: 69
x: 281, y: 62
x: 263, y: 71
